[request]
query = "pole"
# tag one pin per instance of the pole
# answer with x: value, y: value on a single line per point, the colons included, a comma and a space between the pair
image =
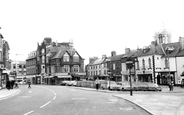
x: 130, y: 82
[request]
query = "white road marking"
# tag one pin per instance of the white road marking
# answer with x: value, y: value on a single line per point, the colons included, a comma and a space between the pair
x: 54, y: 98
x: 45, y: 104
x: 28, y: 113
x: 30, y: 91
x: 78, y: 98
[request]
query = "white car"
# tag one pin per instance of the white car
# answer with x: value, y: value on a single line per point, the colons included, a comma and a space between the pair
x: 112, y: 85
x: 72, y: 83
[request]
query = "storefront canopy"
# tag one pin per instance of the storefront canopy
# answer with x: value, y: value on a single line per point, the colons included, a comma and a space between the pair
x: 64, y: 76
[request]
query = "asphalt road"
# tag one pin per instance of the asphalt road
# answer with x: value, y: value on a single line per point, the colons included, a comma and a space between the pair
x: 63, y: 100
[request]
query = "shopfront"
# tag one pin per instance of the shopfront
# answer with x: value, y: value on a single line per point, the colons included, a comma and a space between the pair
x: 144, y: 76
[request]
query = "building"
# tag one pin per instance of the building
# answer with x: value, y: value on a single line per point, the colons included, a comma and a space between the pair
x: 97, y: 68
x: 64, y: 62
x: 18, y: 69
x: 1, y: 59
x: 31, y: 72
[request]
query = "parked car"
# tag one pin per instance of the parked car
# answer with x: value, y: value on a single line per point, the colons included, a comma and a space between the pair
x: 65, y: 83
x: 125, y: 86
x: 72, y: 83
x: 111, y: 85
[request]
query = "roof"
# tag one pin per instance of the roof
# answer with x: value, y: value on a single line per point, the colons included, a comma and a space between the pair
x: 180, y: 53
x: 159, y: 49
x: 175, y: 46
x: 62, y: 51
x: 98, y: 61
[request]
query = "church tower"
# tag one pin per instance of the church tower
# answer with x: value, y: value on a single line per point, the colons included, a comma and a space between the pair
x: 162, y: 37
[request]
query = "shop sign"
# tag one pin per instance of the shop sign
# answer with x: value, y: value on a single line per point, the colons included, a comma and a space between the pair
x: 124, y: 72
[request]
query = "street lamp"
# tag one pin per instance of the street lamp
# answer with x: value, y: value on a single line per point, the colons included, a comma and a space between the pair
x: 109, y: 71
x: 168, y: 49
x: 129, y: 64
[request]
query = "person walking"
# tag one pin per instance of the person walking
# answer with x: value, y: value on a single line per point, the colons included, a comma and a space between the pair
x: 29, y: 85
x: 97, y: 83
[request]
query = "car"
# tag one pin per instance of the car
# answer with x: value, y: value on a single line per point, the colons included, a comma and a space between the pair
x: 125, y: 86
x: 112, y: 85
x: 72, y: 83
x: 65, y: 83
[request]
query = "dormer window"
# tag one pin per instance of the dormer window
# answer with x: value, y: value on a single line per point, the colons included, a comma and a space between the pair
x: 169, y: 49
x: 146, y: 49
x: 75, y: 58
x: 66, y: 57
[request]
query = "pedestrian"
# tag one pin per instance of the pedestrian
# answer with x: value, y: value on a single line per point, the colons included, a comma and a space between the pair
x: 29, y: 85
x: 172, y: 85
x: 8, y: 85
x: 97, y: 84
x: 169, y: 84
x: 16, y: 84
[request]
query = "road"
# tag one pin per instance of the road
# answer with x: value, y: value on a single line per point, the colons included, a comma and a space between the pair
x: 63, y: 100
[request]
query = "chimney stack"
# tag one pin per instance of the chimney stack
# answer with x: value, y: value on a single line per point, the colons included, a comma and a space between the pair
x: 113, y: 53
x: 181, y: 40
x: 127, y: 50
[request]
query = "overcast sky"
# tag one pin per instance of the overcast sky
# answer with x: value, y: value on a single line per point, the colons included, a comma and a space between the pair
x: 96, y: 27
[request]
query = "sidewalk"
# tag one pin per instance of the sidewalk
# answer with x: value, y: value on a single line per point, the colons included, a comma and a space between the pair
x: 156, y: 103
x: 4, y: 93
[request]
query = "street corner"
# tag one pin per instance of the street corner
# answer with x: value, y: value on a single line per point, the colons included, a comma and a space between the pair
x: 5, y: 94
x: 132, y: 100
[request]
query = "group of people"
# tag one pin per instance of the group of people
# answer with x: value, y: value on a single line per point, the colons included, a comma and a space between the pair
x: 14, y: 84
x: 11, y: 84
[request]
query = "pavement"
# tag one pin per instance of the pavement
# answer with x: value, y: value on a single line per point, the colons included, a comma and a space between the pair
x: 5, y: 94
x: 156, y: 103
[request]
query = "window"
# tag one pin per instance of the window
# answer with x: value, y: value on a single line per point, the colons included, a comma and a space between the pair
x: 66, y: 68
x: 114, y: 66
x: 20, y: 66
x: 66, y: 57
x: 75, y: 58
x: 149, y: 62
x: 166, y: 63
x: 143, y: 63
x: 138, y: 65
x: 76, y: 68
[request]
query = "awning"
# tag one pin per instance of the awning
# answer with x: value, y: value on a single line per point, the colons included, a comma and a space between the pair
x: 65, y: 76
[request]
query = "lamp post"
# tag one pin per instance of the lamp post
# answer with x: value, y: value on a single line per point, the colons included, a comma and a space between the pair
x: 129, y: 64
x: 167, y: 53
x: 109, y: 72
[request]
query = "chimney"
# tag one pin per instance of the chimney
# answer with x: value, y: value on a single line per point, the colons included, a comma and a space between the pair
x: 104, y: 56
x: 127, y: 50
x: 113, y: 53
x: 181, y: 40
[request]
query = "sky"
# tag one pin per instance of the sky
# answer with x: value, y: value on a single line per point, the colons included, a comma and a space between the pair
x: 96, y: 27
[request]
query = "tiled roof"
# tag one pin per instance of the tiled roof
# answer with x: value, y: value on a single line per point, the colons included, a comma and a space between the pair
x: 98, y: 61
x: 180, y: 53
x: 62, y: 51
x: 176, y: 47
x: 159, y: 50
